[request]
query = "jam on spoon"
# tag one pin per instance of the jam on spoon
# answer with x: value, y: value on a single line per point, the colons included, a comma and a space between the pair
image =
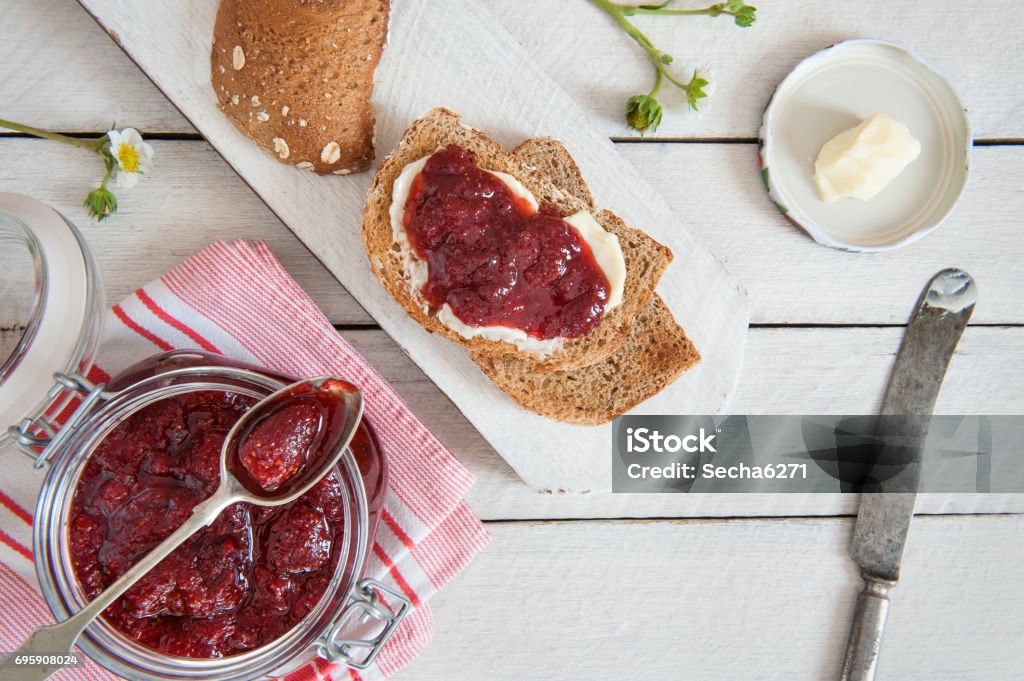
x: 277, y: 447
x: 295, y: 464
x: 280, y: 448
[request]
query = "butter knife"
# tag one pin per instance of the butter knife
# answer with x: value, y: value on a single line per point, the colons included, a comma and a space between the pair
x: 883, y: 520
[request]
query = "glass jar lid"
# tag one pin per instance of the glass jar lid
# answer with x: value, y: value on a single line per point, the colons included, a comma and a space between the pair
x: 51, y: 304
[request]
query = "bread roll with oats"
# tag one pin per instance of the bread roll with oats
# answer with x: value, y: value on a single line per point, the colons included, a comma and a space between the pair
x: 296, y: 76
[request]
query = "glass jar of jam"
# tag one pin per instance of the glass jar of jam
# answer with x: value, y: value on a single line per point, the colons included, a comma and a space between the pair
x: 259, y: 593
x: 255, y: 595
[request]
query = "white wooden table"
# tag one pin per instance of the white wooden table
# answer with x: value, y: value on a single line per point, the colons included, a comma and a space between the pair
x: 656, y: 587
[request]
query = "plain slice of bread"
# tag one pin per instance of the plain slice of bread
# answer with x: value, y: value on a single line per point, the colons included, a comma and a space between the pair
x: 296, y: 76
x: 547, y: 170
x: 551, y: 158
x: 655, y: 353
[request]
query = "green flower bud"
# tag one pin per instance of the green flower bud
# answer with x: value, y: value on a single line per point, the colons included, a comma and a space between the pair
x: 746, y: 16
x: 101, y: 203
x: 643, y: 112
x: 695, y: 90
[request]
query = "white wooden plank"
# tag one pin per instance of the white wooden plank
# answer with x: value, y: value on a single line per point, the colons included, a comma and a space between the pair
x: 192, y: 199
x: 792, y: 279
x: 976, y: 45
x: 789, y: 371
x: 195, y: 198
x: 578, y: 46
x: 721, y: 601
x: 512, y: 99
x: 59, y: 70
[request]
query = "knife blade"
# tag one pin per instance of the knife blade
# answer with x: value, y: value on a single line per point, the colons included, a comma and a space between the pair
x: 883, y: 520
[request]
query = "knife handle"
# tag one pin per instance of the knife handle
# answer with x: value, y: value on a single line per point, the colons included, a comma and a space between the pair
x: 866, y: 632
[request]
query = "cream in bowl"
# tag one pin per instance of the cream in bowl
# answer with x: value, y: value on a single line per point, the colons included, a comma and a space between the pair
x: 861, y: 162
x: 865, y: 146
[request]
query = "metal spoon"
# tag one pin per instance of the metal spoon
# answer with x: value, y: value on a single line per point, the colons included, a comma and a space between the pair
x: 341, y: 408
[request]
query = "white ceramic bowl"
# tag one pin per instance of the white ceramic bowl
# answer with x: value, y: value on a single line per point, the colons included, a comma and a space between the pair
x: 834, y: 90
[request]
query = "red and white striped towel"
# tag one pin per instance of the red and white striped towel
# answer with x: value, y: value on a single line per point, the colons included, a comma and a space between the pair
x: 237, y: 300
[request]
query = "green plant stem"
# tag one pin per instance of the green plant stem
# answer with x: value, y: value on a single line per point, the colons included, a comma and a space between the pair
x: 616, y: 13
x: 713, y: 10
x: 657, y: 85
x: 653, y: 53
x: 683, y: 86
x: 91, y: 145
x: 108, y: 166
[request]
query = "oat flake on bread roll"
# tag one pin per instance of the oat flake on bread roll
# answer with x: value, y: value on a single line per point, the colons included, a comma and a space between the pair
x: 296, y: 76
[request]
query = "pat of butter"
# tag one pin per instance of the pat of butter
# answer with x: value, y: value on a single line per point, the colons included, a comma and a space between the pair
x: 604, y: 246
x: 862, y: 161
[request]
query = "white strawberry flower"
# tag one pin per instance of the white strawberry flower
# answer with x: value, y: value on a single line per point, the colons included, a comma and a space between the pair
x: 123, y: 152
x: 134, y: 157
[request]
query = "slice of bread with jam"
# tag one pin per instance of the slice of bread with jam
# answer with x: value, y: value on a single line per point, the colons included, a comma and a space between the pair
x: 546, y: 170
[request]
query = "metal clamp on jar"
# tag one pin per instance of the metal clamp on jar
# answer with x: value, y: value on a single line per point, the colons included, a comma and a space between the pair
x: 57, y: 300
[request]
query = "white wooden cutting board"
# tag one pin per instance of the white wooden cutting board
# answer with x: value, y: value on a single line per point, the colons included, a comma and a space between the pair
x: 454, y: 53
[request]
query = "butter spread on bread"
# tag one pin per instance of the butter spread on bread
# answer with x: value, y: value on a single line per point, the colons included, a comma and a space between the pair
x: 603, y: 246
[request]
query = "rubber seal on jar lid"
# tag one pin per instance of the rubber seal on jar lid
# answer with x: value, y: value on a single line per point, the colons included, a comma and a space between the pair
x: 51, y: 304
x: 836, y: 89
